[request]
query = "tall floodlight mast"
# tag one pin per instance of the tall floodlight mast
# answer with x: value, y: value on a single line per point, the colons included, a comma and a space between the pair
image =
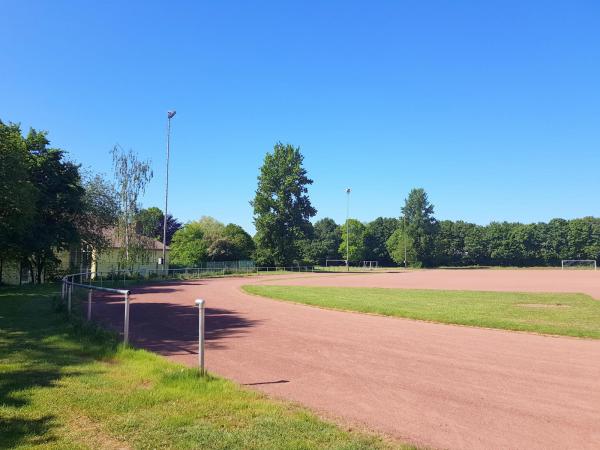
x: 170, y: 115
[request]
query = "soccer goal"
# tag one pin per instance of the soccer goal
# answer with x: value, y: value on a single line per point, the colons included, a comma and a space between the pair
x: 370, y: 265
x: 578, y: 264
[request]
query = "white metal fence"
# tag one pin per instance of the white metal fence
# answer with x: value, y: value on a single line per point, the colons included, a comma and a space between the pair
x: 72, y: 291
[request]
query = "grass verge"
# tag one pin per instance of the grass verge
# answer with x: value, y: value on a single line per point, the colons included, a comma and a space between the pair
x: 549, y: 313
x: 66, y: 385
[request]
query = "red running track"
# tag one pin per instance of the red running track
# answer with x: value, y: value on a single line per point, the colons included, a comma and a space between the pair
x: 429, y: 384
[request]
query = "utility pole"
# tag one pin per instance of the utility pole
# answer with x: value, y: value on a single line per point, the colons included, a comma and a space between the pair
x: 170, y: 115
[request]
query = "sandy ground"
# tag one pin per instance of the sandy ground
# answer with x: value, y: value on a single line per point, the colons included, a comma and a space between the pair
x: 431, y: 384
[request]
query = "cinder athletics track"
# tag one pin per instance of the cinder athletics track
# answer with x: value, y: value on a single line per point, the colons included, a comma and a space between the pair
x: 429, y: 384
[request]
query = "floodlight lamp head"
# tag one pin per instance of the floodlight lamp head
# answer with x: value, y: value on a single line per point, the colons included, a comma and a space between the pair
x: 347, y: 190
x: 170, y: 114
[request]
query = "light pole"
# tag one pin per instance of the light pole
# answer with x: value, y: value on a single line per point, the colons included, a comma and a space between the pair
x: 348, y: 230
x: 404, y: 233
x: 170, y: 115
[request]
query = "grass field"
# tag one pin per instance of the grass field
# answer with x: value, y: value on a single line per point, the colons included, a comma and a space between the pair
x: 561, y: 314
x: 65, y: 385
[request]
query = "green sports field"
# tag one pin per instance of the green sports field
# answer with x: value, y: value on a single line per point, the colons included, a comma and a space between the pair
x: 549, y: 313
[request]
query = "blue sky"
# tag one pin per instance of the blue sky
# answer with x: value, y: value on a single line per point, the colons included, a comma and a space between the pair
x: 492, y: 107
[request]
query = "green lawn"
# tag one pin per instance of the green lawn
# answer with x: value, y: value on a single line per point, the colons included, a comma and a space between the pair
x: 562, y: 314
x: 64, y: 385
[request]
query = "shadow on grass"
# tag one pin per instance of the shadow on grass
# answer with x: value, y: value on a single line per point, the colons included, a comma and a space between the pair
x: 15, y: 432
x: 41, y: 347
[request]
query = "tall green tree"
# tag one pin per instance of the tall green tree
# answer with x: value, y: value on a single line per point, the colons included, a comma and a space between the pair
x: 58, y: 205
x: 282, y: 208
x: 421, y: 225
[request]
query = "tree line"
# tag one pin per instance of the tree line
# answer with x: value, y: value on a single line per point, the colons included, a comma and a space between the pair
x: 285, y: 234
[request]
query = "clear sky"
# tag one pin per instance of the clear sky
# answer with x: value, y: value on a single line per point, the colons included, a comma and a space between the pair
x: 492, y: 106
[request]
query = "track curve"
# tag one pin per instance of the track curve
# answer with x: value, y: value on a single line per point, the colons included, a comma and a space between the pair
x: 429, y: 384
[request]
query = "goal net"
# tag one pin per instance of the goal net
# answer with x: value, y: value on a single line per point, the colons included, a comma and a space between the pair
x: 370, y: 265
x: 578, y: 264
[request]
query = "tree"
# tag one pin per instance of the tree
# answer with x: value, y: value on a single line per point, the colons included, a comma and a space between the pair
x: 324, y: 243
x: 17, y: 193
x: 376, y: 236
x: 356, y: 240
x: 131, y: 176
x: 225, y: 243
x: 399, y: 246
x: 450, y: 243
x: 100, y: 211
x: 421, y: 225
x: 150, y: 223
x: 553, y: 241
x: 212, y: 229
x: 242, y: 243
x: 188, y: 247
x: 328, y: 234
x: 58, y: 205
x: 476, y: 246
x: 218, y: 242
x: 282, y: 209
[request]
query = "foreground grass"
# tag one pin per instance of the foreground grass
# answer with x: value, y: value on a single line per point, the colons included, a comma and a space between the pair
x: 64, y: 385
x: 562, y: 314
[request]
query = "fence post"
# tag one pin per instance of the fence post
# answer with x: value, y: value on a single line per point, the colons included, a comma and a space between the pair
x: 200, y: 305
x: 70, y: 294
x: 89, y: 311
x: 126, y: 323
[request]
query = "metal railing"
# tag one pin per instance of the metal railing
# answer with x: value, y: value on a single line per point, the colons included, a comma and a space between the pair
x: 67, y: 294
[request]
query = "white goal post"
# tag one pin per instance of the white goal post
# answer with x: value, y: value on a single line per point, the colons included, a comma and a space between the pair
x: 370, y: 265
x: 578, y: 264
